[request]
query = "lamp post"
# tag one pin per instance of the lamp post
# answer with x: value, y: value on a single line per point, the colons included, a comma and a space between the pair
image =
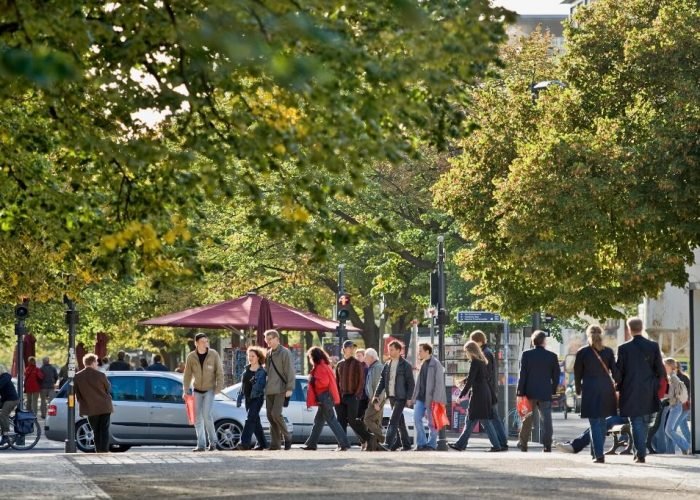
x: 442, y: 320
x: 71, y: 321
x: 21, y: 314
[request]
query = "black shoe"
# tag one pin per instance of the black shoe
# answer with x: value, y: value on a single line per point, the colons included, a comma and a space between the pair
x: 455, y: 447
x: 599, y: 460
x: 521, y: 447
x: 504, y: 448
x: 198, y: 449
x: 639, y: 460
x: 493, y: 449
x: 242, y: 447
x: 341, y: 448
x: 309, y: 447
x: 258, y: 447
x: 212, y: 447
x: 288, y: 444
x: 547, y: 449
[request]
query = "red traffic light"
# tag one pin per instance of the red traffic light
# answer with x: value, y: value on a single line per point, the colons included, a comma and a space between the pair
x: 344, y: 300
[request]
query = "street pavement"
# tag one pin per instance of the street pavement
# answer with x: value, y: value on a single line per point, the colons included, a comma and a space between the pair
x: 179, y: 473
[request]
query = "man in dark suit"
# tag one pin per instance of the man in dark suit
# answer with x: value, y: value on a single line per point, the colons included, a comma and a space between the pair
x: 120, y: 364
x: 92, y: 390
x: 539, y: 379
x: 641, y: 369
x: 398, y: 384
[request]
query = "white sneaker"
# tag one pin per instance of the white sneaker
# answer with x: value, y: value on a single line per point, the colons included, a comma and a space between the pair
x: 565, y: 447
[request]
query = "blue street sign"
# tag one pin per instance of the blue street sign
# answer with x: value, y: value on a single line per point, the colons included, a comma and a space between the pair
x: 478, y: 317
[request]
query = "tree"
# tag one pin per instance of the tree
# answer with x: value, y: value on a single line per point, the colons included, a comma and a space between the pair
x: 587, y: 198
x: 244, y: 92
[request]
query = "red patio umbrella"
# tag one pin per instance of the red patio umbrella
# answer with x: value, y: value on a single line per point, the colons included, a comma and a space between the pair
x: 243, y: 313
x: 101, y: 344
x: 79, y: 354
x: 265, y: 321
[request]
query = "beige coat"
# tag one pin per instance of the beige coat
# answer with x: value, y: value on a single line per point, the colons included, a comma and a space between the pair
x: 282, y: 359
x: 207, y: 379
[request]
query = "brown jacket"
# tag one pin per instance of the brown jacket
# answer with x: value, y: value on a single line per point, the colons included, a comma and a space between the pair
x: 92, y: 392
x: 211, y: 378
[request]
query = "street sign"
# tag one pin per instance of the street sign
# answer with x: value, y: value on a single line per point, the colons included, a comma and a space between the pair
x: 478, y: 317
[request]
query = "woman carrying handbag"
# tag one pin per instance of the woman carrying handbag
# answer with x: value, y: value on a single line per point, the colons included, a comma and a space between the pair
x: 595, y: 373
x: 323, y: 392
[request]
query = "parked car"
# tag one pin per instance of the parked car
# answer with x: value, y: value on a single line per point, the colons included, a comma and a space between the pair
x: 302, y: 418
x: 149, y: 411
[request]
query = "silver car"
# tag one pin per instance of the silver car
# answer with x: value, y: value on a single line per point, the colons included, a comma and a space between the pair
x: 302, y: 418
x: 149, y: 411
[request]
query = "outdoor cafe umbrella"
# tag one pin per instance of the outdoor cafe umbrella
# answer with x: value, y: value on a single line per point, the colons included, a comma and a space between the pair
x: 265, y: 321
x: 101, y: 344
x: 243, y: 313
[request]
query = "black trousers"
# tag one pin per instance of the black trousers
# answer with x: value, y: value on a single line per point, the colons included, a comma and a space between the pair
x: 347, y: 415
x: 397, y: 425
x: 362, y: 408
x: 100, y: 431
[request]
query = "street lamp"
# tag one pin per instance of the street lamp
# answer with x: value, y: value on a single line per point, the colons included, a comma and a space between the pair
x: 442, y: 319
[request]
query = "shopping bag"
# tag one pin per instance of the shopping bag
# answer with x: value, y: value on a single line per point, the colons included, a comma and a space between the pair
x: 439, y: 413
x: 524, y: 406
x: 189, y: 407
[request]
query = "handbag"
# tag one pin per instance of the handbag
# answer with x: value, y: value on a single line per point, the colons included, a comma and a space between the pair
x: 439, y: 413
x: 189, y: 408
x: 286, y: 398
x: 524, y: 407
x: 607, y: 370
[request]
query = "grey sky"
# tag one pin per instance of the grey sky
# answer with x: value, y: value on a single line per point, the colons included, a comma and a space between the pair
x: 534, y: 6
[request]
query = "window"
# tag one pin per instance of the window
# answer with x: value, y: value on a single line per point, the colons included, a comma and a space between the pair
x: 165, y: 390
x: 300, y: 389
x: 128, y: 388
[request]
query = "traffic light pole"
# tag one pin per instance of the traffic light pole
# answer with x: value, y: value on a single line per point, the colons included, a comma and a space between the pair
x: 71, y: 320
x: 21, y: 312
x: 442, y: 319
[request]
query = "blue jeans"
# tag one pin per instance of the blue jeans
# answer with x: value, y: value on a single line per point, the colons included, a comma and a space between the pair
x: 598, y: 430
x: 253, y: 423
x: 203, y: 418
x: 419, y: 411
x: 583, y: 440
x: 498, y: 428
x: 463, y: 440
x: 640, y: 428
x: 326, y: 415
x: 682, y: 425
x: 674, y: 414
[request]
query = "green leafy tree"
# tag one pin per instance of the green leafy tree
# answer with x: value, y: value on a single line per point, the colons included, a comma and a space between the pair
x: 587, y: 198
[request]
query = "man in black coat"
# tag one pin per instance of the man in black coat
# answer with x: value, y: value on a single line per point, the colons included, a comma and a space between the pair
x: 539, y: 379
x: 641, y: 369
x: 397, y: 381
x: 120, y: 364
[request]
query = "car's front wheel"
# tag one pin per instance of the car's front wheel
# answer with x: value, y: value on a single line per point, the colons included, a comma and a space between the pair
x: 228, y: 434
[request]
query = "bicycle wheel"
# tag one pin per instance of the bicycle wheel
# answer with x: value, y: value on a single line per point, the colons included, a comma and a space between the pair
x: 27, y: 441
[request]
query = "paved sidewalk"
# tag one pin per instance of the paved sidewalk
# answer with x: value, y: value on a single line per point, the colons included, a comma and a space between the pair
x: 324, y: 473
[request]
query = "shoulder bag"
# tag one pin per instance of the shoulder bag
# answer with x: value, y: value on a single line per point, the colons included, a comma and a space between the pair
x: 607, y: 371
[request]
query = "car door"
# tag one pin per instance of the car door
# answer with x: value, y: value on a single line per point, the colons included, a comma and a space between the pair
x: 130, y: 420
x: 301, y: 417
x: 168, y: 418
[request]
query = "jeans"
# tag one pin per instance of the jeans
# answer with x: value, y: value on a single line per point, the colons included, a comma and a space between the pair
x: 419, y: 411
x: 274, y: 404
x: 469, y: 424
x: 640, y: 428
x: 499, y: 429
x: 326, y: 414
x: 682, y: 425
x: 545, y: 410
x: 203, y: 402
x: 598, y: 430
x: 397, y: 425
x: 583, y: 440
x: 347, y: 411
x: 100, y: 431
x: 674, y: 415
x: 253, y: 424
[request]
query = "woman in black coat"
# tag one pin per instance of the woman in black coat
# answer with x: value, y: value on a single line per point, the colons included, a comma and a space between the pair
x: 593, y: 368
x: 481, y: 400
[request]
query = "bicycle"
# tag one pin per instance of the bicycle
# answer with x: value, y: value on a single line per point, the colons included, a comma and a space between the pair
x: 27, y: 432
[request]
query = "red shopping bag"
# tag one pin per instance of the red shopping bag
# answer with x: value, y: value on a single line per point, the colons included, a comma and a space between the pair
x: 524, y: 406
x: 189, y: 407
x: 439, y: 413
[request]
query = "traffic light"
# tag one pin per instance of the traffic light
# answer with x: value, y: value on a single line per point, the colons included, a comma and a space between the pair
x: 22, y: 310
x: 343, y: 307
